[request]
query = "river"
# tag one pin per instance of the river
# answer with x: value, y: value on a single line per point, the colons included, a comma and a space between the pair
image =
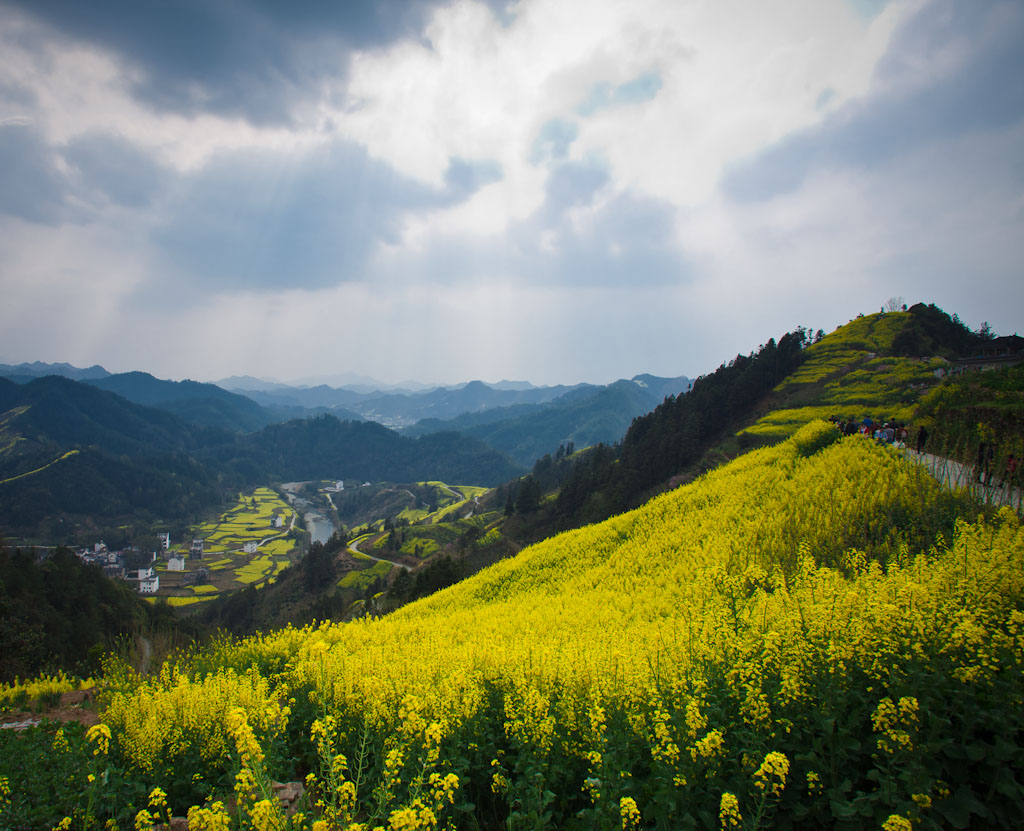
x: 320, y: 527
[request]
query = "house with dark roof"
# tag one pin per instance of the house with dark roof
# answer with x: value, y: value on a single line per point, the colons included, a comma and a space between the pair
x: 1007, y: 350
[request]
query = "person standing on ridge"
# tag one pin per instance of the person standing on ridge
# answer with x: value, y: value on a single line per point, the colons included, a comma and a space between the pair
x: 922, y: 437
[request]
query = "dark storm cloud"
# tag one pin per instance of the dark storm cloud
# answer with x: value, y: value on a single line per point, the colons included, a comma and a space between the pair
x: 260, y: 220
x: 986, y: 95
x: 98, y: 168
x: 113, y: 168
x: 33, y: 188
x: 253, y: 59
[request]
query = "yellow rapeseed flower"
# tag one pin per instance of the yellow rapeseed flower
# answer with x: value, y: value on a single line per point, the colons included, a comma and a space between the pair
x: 99, y: 736
x: 629, y: 813
x: 729, y: 811
x: 214, y: 818
x: 771, y: 776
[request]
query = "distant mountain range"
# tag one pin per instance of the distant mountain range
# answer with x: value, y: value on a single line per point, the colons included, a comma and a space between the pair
x: 585, y: 415
x: 73, y: 456
x: 244, y: 403
x: 108, y: 445
x: 207, y: 405
x: 403, y: 408
x: 469, y: 406
x: 37, y: 369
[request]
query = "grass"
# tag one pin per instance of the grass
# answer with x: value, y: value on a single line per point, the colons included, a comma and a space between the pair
x: 364, y: 577
x: 256, y: 569
x: 248, y: 521
x: 419, y: 546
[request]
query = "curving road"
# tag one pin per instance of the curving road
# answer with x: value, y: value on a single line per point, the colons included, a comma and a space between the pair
x: 354, y: 548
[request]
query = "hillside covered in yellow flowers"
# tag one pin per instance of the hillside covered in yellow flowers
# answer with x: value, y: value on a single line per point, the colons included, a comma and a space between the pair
x: 814, y: 635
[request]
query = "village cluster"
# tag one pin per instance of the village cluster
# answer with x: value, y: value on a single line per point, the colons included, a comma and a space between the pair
x: 140, y: 570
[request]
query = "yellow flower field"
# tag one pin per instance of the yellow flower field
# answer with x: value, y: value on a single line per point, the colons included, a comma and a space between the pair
x: 812, y: 635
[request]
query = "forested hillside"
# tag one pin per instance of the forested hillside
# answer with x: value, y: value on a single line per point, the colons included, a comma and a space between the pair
x: 880, y: 365
x: 676, y: 434
x: 204, y: 404
x: 72, y: 455
x: 324, y: 447
x: 583, y: 417
x: 59, y: 614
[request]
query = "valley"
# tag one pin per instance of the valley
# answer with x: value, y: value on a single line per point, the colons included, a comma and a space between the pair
x: 741, y: 608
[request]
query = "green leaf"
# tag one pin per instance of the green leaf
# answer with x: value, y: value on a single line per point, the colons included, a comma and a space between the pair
x: 959, y: 807
x: 842, y: 810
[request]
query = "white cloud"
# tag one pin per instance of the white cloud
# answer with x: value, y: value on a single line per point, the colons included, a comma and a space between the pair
x: 942, y: 226
x: 735, y: 76
x: 584, y: 231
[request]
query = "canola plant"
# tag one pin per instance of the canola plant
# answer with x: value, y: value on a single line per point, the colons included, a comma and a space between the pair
x: 814, y: 635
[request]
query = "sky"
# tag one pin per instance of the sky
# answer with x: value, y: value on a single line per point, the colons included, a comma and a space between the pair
x: 555, y: 191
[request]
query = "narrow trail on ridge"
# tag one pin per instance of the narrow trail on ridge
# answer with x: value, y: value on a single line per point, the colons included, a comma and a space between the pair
x: 354, y: 548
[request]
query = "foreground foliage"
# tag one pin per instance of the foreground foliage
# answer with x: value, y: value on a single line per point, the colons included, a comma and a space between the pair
x: 812, y: 636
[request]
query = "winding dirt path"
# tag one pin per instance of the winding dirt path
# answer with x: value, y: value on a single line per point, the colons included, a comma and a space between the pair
x: 354, y: 548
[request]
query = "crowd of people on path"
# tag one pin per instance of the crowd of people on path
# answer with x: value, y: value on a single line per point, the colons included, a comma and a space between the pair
x: 885, y: 432
x: 897, y: 435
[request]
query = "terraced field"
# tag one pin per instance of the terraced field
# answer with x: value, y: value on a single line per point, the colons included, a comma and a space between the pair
x: 848, y: 376
x: 227, y: 566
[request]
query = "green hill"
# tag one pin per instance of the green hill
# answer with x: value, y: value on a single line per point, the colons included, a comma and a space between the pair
x: 204, y: 404
x: 877, y: 366
x: 73, y: 454
x: 324, y: 448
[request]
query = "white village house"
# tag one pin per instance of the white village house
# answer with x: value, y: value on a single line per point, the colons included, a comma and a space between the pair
x: 146, y: 580
x: 151, y: 585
